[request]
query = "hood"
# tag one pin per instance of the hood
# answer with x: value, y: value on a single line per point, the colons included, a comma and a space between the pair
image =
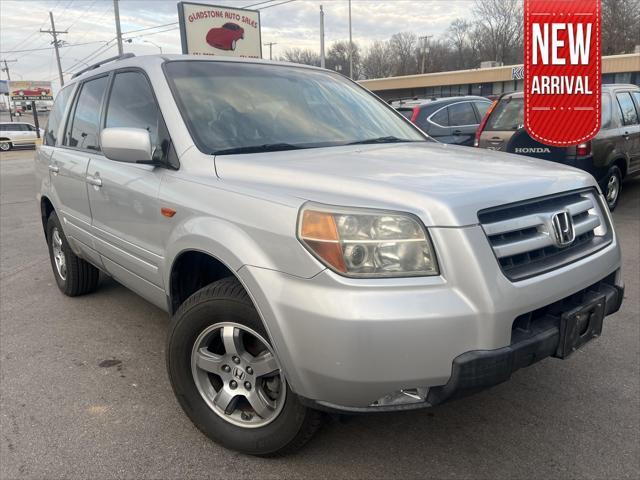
x: 444, y: 185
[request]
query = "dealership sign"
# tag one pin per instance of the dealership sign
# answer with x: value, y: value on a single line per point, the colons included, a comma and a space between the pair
x: 24, y: 90
x: 213, y: 30
x: 562, y: 70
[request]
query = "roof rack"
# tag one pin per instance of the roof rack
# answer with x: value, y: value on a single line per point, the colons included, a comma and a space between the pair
x: 102, y: 62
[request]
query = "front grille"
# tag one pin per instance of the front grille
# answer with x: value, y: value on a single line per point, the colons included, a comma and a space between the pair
x: 523, y: 238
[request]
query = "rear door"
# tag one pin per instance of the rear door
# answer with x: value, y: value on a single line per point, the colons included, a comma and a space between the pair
x: 505, y: 120
x: 630, y: 130
x: 126, y: 218
x: 436, y: 124
x: 70, y: 161
x: 463, y: 123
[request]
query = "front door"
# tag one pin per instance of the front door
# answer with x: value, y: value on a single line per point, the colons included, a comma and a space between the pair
x: 126, y: 217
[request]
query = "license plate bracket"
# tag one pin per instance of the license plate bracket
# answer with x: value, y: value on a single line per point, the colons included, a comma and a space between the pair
x: 580, y: 325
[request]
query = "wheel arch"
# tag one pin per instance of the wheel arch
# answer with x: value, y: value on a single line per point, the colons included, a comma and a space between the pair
x: 46, y: 209
x: 621, y: 163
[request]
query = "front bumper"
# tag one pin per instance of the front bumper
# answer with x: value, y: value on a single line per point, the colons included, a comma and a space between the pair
x: 480, y: 369
x: 345, y: 343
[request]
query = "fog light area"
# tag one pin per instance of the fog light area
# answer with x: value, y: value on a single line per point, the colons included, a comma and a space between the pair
x: 402, y: 397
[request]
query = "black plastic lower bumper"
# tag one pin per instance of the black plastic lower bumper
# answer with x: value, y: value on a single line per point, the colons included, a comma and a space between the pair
x: 546, y: 336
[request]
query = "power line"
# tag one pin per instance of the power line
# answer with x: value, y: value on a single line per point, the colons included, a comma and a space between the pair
x: 259, y: 3
x: 56, y: 43
x: 52, y: 48
x: 149, y: 28
x: 276, y: 4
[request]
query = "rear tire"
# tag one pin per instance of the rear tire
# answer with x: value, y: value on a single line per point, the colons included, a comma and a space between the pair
x: 613, y: 186
x: 215, y: 308
x: 73, y: 275
x: 5, y: 145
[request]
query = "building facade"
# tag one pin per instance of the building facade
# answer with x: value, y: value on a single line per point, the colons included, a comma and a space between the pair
x: 488, y: 81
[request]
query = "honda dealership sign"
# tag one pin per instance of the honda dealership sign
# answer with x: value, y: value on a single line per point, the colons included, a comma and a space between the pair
x: 213, y: 30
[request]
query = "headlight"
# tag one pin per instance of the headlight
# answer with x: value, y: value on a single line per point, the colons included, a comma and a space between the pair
x: 367, y: 243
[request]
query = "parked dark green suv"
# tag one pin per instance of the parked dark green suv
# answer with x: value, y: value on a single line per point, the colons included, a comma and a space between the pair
x: 610, y: 157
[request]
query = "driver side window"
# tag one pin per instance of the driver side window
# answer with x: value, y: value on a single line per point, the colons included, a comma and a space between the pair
x: 132, y: 105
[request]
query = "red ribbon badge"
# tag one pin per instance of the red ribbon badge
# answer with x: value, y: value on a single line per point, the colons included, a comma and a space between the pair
x: 562, y: 70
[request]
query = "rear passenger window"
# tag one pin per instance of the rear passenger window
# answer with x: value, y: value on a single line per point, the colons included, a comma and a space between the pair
x: 55, y: 117
x: 85, y: 125
x: 628, y: 110
x: 441, y: 118
x: 461, y: 114
x: 132, y: 105
x: 482, y: 108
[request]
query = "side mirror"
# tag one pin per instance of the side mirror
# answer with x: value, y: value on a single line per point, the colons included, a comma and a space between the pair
x: 126, y: 144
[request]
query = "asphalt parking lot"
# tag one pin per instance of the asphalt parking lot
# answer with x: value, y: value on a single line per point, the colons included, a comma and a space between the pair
x: 84, y: 393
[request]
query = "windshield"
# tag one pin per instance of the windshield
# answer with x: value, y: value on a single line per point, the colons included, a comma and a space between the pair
x: 508, y: 115
x: 229, y: 107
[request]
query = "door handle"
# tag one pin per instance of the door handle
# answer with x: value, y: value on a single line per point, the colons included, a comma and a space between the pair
x: 95, y: 181
x: 54, y: 168
x: 457, y: 132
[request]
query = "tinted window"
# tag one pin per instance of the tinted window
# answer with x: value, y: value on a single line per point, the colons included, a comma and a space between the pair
x: 636, y: 96
x: 482, y: 108
x: 629, y: 114
x: 233, y: 105
x: 462, y: 114
x: 55, y: 117
x: 508, y: 115
x: 133, y: 105
x: 85, y: 125
x: 441, y: 118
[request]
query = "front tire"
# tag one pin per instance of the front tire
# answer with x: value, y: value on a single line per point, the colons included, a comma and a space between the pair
x: 5, y: 145
x: 73, y: 275
x: 227, y: 379
x: 613, y: 186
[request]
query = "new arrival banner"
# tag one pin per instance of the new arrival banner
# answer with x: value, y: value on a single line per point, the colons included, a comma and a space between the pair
x: 562, y: 70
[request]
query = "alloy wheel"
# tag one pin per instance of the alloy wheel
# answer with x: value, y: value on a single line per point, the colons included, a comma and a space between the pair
x: 237, y: 375
x: 59, y: 257
x: 4, y: 146
x: 613, y: 189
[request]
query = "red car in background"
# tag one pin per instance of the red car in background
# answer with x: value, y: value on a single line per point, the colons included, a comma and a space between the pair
x: 225, y: 37
x: 37, y: 91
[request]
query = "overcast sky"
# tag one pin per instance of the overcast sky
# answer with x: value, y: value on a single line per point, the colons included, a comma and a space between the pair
x: 293, y: 24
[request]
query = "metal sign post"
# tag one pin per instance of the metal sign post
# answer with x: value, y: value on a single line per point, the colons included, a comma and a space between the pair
x: 35, y: 118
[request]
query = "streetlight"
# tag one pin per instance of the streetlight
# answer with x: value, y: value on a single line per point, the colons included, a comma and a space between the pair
x: 154, y: 44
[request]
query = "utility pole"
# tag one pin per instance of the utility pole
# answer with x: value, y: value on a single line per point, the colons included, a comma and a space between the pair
x: 350, y: 45
x: 6, y: 70
x: 425, y: 40
x: 321, y: 37
x: 271, y: 44
x: 56, y: 44
x: 116, y: 11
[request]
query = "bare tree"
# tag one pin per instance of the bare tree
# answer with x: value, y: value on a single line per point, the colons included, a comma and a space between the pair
x: 500, y: 25
x: 620, y: 26
x: 458, y: 36
x: 378, y: 61
x: 298, y: 55
x: 404, y: 45
x: 338, y: 58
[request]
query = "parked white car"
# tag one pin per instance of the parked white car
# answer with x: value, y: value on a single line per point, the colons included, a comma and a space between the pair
x: 17, y: 134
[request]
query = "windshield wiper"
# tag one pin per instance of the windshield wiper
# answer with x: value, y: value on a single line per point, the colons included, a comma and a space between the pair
x: 389, y: 139
x: 267, y: 147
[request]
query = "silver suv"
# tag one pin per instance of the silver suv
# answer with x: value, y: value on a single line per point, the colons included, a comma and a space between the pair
x: 314, y: 249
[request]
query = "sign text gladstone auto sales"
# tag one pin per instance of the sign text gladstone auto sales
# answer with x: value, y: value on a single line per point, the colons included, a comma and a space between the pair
x: 562, y: 70
x: 214, y: 30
